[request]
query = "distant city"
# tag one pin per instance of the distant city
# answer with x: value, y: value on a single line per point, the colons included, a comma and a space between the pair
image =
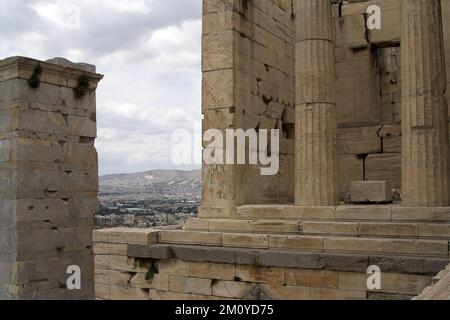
x: 149, y: 199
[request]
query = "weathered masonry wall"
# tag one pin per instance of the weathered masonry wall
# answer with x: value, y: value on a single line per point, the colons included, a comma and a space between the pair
x: 160, y: 265
x: 48, y: 177
x: 240, y: 247
x: 248, y: 82
x: 369, y: 93
x: 368, y: 96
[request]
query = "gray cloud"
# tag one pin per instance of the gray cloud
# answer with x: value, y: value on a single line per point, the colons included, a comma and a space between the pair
x: 149, y: 51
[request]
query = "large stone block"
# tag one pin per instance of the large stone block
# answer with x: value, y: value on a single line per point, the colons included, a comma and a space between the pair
x: 417, y: 247
x: 218, y: 50
x: 364, y: 213
x: 434, y: 230
x: 235, y: 290
x: 110, y: 249
x: 371, y: 192
x: 420, y: 214
x: 309, y: 213
x: 126, y: 236
x: 190, y: 285
x: 312, y: 278
x: 216, y: 271
x: 353, y: 244
x: 389, y: 34
x: 17, y: 93
x: 359, y: 140
x: 358, y: 282
x: 118, y: 263
x: 388, y: 229
x: 229, y: 225
x: 324, y: 228
x: 246, y: 240
x: 205, y: 238
x: 173, y: 267
x: 217, y: 93
x: 296, y: 242
x: 258, y: 274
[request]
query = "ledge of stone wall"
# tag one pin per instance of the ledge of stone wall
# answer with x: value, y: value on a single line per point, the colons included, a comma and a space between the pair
x: 136, y: 264
x: 289, y: 259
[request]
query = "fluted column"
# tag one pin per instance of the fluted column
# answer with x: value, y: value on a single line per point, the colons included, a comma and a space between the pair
x: 425, y: 141
x: 315, y: 173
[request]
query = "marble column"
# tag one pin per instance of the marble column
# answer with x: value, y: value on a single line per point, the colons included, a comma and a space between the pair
x: 316, y: 167
x: 425, y: 131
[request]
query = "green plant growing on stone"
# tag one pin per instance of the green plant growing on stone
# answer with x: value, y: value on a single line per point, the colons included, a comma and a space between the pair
x: 150, y: 264
x: 152, y: 270
x: 82, y: 86
x: 35, y: 80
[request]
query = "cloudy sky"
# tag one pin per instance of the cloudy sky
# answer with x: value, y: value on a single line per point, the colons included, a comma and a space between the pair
x: 149, y: 52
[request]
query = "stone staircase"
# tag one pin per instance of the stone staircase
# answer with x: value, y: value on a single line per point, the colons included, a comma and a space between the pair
x: 277, y: 252
x: 387, y: 230
x: 410, y: 230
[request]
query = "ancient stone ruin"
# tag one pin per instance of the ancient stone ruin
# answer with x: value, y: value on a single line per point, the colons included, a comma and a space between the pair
x: 339, y: 92
x: 364, y: 164
x: 48, y: 177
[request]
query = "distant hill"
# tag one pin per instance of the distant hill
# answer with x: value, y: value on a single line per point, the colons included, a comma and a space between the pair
x: 157, y: 183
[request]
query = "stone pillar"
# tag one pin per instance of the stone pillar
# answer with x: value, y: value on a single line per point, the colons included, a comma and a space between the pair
x: 48, y: 177
x: 219, y: 190
x: 316, y: 167
x: 425, y: 141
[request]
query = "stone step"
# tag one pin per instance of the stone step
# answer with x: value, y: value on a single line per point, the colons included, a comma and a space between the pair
x: 386, y: 213
x: 332, y: 228
x: 416, y: 247
x: 244, y: 226
x: 378, y: 229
